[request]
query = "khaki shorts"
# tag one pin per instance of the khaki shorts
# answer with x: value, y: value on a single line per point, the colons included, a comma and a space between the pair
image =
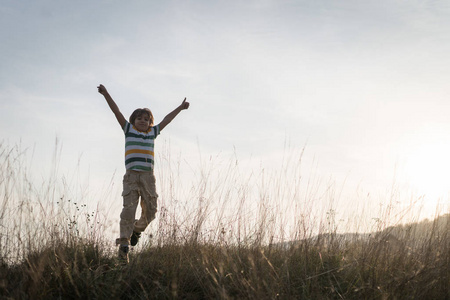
x: 137, y: 184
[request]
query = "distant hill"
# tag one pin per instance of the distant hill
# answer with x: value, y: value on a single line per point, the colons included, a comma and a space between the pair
x: 410, y: 235
x: 422, y: 229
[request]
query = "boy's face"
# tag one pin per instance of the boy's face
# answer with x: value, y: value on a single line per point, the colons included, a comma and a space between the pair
x: 142, y: 122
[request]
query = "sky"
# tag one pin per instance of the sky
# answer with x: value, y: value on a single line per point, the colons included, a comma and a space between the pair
x: 361, y: 86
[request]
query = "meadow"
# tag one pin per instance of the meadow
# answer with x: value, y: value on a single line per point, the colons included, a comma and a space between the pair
x: 244, y: 237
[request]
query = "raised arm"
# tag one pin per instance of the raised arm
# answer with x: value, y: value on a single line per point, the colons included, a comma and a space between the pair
x: 115, y: 109
x: 167, y: 119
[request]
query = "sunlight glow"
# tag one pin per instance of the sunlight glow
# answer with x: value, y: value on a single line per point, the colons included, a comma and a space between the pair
x: 427, y: 169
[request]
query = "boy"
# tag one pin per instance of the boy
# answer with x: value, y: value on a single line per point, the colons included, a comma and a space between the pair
x: 139, y: 180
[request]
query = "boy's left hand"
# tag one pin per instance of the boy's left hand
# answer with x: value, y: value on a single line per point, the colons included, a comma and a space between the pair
x: 167, y: 119
x: 184, y: 105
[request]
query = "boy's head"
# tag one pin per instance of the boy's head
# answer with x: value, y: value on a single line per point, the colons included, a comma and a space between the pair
x: 142, y: 119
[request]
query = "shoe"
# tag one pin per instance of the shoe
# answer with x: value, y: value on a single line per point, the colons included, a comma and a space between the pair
x: 123, y: 254
x: 135, y: 238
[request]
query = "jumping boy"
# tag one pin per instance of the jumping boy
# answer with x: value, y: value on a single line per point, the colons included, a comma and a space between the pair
x: 139, y: 180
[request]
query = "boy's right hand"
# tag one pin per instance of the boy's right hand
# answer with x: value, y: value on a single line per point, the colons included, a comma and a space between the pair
x: 102, y: 90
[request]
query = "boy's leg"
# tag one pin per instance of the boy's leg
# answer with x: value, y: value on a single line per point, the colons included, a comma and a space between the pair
x: 123, y: 253
x: 148, y: 201
x: 130, y: 202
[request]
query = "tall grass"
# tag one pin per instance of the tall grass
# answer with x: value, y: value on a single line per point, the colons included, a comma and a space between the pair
x: 226, y: 234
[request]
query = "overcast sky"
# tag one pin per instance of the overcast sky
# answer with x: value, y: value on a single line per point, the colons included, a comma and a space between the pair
x: 362, y: 84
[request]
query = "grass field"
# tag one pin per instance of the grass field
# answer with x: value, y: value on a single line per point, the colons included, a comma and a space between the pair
x: 53, y: 246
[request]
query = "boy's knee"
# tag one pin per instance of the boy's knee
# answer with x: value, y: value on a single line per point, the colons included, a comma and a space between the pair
x: 128, y: 213
x: 126, y: 220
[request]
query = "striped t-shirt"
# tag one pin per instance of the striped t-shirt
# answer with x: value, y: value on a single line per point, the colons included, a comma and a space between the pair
x: 139, y: 147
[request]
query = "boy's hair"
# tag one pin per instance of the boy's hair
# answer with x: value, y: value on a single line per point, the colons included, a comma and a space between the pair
x: 139, y: 112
